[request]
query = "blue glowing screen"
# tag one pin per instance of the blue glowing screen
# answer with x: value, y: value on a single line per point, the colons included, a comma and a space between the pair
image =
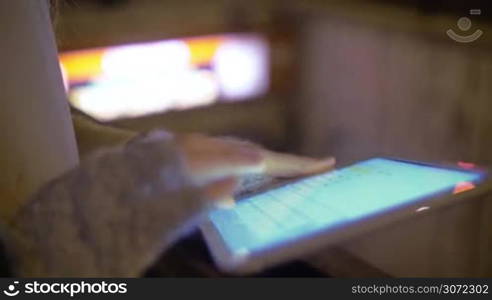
x: 329, y: 200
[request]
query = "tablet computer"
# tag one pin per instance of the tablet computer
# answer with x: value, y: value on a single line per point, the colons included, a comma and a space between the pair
x: 293, y: 219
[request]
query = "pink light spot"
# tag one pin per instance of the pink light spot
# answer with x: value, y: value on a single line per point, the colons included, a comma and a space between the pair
x: 466, y: 165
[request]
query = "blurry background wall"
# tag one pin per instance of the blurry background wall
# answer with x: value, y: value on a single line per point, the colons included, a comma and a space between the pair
x: 390, y: 82
x: 352, y: 78
x: 87, y: 24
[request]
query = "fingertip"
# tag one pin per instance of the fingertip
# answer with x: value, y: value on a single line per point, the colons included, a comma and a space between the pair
x: 330, y: 161
x: 226, y: 203
x: 320, y: 166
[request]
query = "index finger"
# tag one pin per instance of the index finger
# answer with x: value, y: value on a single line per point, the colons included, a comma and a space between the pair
x: 288, y: 165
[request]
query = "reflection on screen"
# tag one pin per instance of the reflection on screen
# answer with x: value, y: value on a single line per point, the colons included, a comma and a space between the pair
x: 329, y: 200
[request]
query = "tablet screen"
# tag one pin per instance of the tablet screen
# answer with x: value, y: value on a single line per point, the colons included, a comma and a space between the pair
x: 330, y: 200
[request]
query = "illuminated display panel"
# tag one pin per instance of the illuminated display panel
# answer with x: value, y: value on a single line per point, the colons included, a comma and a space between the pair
x: 139, y: 79
x: 332, y: 200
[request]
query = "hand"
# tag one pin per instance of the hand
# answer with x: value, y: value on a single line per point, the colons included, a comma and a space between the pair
x: 215, y: 163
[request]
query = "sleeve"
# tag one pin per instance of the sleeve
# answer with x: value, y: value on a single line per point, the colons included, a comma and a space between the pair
x: 111, y: 216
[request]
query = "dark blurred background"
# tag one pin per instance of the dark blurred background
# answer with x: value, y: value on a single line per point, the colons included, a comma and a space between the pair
x: 349, y: 78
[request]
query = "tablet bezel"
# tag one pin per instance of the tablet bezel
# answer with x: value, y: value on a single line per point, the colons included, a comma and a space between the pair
x: 259, y: 260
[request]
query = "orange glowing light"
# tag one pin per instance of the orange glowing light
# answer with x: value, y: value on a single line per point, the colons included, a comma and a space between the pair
x: 203, y: 49
x: 82, y: 65
x: 463, y: 187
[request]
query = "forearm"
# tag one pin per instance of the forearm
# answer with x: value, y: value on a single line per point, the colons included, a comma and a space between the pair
x: 112, y: 216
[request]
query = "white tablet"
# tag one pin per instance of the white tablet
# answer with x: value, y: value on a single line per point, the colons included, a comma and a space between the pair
x: 294, y: 219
